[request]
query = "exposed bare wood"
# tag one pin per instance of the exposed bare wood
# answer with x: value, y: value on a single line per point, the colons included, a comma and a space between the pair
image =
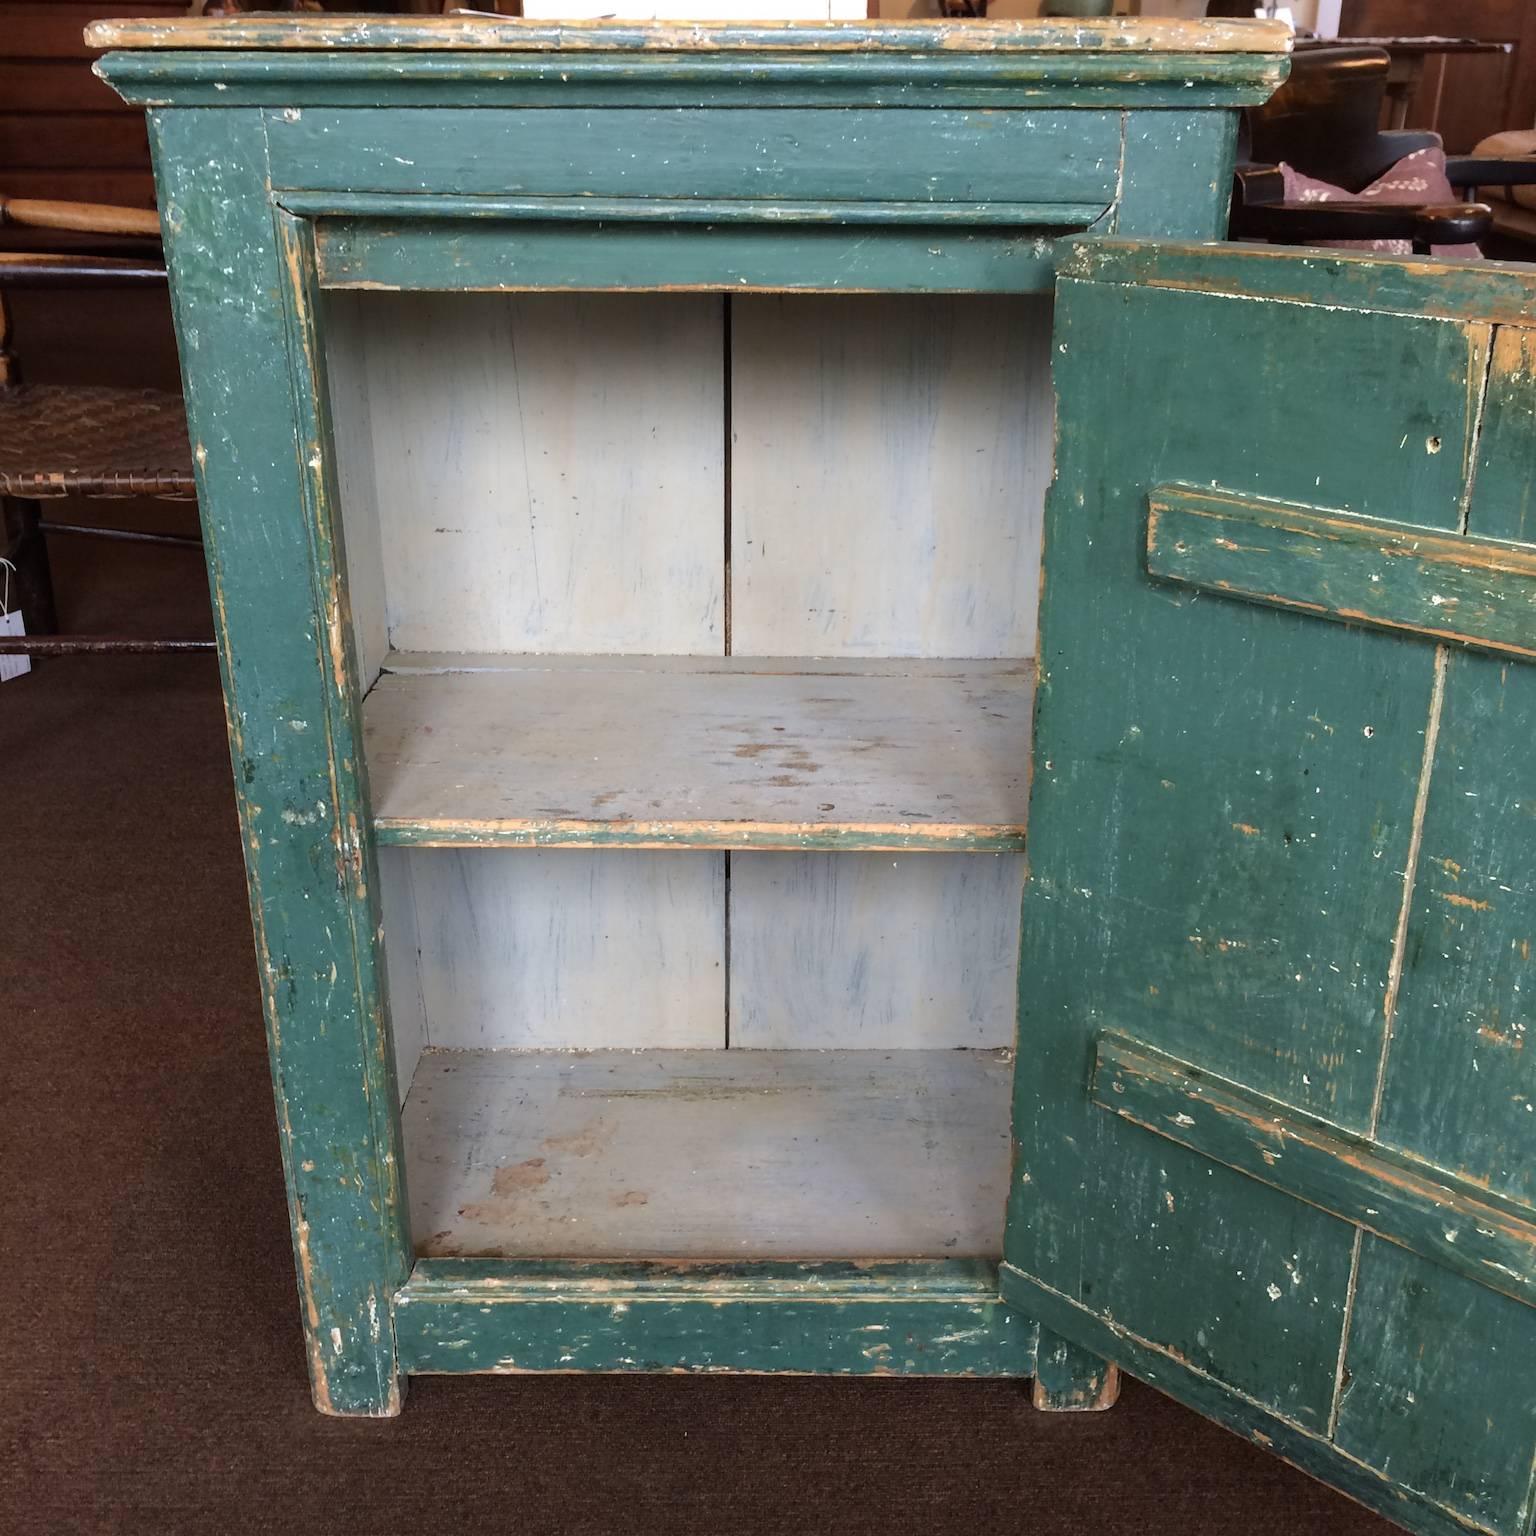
x: 732, y: 752
x: 1123, y: 35
x: 709, y: 1154
x: 89, y: 218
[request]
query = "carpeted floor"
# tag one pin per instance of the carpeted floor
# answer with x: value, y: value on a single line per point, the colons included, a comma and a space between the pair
x: 150, y: 1353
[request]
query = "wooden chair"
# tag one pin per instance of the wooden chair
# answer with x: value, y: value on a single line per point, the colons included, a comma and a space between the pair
x: 77, y: 440
x: 1325, y: 121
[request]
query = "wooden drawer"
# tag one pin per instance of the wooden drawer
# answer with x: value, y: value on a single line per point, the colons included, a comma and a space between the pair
x: 1057, y: 156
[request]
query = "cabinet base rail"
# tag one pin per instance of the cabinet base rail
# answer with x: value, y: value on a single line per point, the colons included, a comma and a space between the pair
x: 910, y: 1318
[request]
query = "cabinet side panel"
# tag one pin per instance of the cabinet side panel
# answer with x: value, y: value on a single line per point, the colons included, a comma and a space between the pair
x: 889, y: 464
x: 874, y: 951
x: 550, y: 470
x: 571, y: 950
x: 402, y: 953
x: 256, y: 414
x: 343, y: 330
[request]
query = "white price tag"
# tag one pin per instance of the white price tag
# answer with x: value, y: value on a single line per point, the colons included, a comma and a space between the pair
x: 13, y: 666
x: 11, y: 624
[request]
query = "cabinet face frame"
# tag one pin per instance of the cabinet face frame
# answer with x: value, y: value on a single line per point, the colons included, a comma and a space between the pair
x: 249, y: 253
x: 935, y: 1317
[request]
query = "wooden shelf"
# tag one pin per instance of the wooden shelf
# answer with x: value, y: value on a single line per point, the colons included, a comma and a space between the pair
x: 711, y: 1154
x: 700, y: 752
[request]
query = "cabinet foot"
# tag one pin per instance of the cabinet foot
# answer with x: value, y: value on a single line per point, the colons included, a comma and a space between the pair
x: 1070, y: 1380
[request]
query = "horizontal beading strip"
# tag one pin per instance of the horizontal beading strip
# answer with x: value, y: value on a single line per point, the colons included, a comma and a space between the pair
x: 479, y: 255
x: 1186, y: 81
x: 397, y: 207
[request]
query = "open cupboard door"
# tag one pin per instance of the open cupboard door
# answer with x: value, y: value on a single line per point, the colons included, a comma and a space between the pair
x: 1276, y: 1084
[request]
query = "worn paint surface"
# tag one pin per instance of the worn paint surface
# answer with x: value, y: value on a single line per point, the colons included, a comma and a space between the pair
x: 248, y: 359
x: 699, y: 1154
x: 751, y: 152
x: 718, y: 754
x: 1421, y: 1207
x: 902, y: 1319
x: 1469, y: 591
x: 1145, y: 147
x: 1119, y: 35
x: 1070, y: 1380
x: 686, y: 257
x: 1284, y: 857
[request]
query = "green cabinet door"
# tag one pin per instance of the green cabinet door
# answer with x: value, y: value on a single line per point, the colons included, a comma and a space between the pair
x: 1274, y: 1116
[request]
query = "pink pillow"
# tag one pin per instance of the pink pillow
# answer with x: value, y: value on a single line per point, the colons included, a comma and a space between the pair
x: 1416, y: 178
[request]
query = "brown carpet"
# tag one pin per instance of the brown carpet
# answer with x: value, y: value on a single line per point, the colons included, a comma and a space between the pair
x: 150, y: 1354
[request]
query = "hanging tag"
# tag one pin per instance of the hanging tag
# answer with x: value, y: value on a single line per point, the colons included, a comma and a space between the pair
x: 11, y: 624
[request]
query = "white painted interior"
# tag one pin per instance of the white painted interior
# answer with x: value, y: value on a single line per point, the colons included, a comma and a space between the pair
x: 569, y: 948
x: 546, y: 472
x: 549, y: 475
x: 888, y: 473
x: 874, y: 950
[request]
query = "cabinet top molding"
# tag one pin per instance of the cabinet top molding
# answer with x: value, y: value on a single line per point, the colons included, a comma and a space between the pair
x: 313, y: 33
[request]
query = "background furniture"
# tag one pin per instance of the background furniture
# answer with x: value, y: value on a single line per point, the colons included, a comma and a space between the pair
x: 1463, y: 95
x: 1514, y: 203
x: 1324, y: 122
x: 1408, y: 56
x: 80, y: 440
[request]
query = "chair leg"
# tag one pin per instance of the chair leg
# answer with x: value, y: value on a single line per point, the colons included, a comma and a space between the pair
x: 27, y: 549
x: 1070, y: 1380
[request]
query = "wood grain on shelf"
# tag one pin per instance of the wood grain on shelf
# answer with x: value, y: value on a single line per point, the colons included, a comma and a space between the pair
x: 709, y: 1154
x: 729, y: 752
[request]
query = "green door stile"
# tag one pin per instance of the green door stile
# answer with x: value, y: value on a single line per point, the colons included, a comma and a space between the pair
x: 255, y: 409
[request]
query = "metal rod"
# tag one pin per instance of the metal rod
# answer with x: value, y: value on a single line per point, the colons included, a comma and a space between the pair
x: 94, y: 645
x: 127, y: 535
x: 24, y: 270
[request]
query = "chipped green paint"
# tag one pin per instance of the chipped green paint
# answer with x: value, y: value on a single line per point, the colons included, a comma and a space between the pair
x: 1288, y: 858
x: 1358, y: 570
x: 1423, y: 288
x: 750, y: 152
x: 546, y: 256
x: 558, y: 158
x: 1151, y: 1361
x: 556, y: 834
x: 1418, y: 1206
x: 895, y: 1319
x: 1070, y: 1380
x: 248, y: 359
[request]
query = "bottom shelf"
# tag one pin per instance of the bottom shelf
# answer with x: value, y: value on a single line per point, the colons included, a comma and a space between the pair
x: 710, y: 1154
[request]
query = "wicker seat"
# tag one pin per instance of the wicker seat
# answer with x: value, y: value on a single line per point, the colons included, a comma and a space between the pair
x: 71, y: 440
x: 80, y: 440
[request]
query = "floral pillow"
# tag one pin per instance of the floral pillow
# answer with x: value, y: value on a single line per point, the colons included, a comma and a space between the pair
x: 1416, y: 178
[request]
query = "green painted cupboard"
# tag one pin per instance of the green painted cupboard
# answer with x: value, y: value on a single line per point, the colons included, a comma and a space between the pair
x: 623, y: 457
